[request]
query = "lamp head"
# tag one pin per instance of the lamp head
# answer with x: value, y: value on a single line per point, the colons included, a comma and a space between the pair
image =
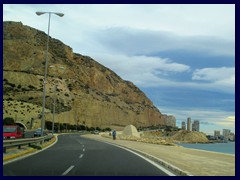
x: 39, y: 13
x: 59, y: 14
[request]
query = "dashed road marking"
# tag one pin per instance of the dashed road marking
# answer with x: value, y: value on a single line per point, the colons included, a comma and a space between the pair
x: 81, y: 156
x: 68, y: 170
x: 83, y: 150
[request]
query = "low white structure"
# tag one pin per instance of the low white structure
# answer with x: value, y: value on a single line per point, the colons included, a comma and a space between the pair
x: 131, y: 130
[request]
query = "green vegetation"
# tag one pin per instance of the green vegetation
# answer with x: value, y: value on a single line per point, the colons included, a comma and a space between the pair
x: 8, y: 121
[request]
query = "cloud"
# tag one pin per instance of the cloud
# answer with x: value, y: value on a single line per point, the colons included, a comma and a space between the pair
x: 206, y: 123
x: 146, y: 71
x: 226, y: 124
x: 230, y: 118
x: 223, y: 77
x: 142, y: 70
x: 214, y: 74
x: 134, y: 41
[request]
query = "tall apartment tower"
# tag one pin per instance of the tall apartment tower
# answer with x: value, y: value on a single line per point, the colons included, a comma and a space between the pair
x: 216, y: 134
x: 183, y: 125
x: 189, y: 124
x: 195, y: 125
x: 226, y: 133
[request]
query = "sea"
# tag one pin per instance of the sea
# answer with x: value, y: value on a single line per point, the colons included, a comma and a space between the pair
x: 228, y: 147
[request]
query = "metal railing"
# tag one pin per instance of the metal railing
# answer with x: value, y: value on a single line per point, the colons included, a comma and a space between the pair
x: 20, y: 142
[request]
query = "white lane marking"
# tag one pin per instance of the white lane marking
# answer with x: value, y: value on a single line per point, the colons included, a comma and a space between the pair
x: 146, y: 159
x: 83, y: 150
x: 81, y: 156
x: 68, y: 170
x: 83, y: 146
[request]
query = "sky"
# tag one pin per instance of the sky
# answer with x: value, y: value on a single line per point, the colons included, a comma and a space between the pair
x: 182, y: 56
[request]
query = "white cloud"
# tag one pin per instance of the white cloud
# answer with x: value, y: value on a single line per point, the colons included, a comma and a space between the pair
x: 142, y: 70
x: 214, y: 74
x: 223, y: 77
x: 228, y: 122
x: 230, y: 118
x: 147, y: 71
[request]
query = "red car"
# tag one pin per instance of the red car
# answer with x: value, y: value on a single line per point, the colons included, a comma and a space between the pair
x: 12, y: 132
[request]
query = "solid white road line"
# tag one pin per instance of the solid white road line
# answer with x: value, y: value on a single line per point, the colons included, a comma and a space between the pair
x: 68, y: 170
x: 146, y: 159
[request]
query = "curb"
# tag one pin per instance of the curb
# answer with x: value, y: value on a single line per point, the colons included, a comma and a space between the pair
x: 165, y: 164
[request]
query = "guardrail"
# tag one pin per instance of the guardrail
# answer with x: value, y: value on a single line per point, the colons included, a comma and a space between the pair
x: 21, y: 142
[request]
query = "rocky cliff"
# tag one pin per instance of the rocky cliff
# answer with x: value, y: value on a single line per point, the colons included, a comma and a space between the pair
x: 86, y: 92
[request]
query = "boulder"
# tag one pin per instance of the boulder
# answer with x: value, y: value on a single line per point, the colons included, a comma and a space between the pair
x: 131, y: 130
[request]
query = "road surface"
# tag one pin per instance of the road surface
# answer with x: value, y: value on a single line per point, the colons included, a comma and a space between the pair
x: 74, y: 155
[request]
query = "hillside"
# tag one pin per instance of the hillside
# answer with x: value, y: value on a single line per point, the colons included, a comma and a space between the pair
x: 189, y: 137
x: 179, y: 136
x: 87, y: 93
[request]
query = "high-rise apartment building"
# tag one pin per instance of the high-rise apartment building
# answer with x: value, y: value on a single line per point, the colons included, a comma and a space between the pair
x: 189, y: 124
x: 232, y: 136
x: 216, y: 134
x: 195, y: 125
x: 226, y: 133
x: 183, y: 125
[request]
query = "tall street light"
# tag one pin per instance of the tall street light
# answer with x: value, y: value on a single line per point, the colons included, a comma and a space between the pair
x: 45, y: 72
x: 54, y: 98
x: 54, y: 103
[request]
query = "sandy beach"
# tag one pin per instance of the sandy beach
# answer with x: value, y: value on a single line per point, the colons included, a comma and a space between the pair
x: 192, y: 161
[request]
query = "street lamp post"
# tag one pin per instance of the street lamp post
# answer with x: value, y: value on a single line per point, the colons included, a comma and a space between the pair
x: 45, y: 72
x: 54, y: 103
x: 54, y: 98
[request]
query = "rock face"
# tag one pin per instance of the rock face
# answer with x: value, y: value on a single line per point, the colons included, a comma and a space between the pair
x: 131, y: 130
x: 169, y: 120
x: 87, y: 93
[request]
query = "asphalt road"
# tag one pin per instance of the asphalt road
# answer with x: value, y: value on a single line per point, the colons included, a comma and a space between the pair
x: 74, y: 155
